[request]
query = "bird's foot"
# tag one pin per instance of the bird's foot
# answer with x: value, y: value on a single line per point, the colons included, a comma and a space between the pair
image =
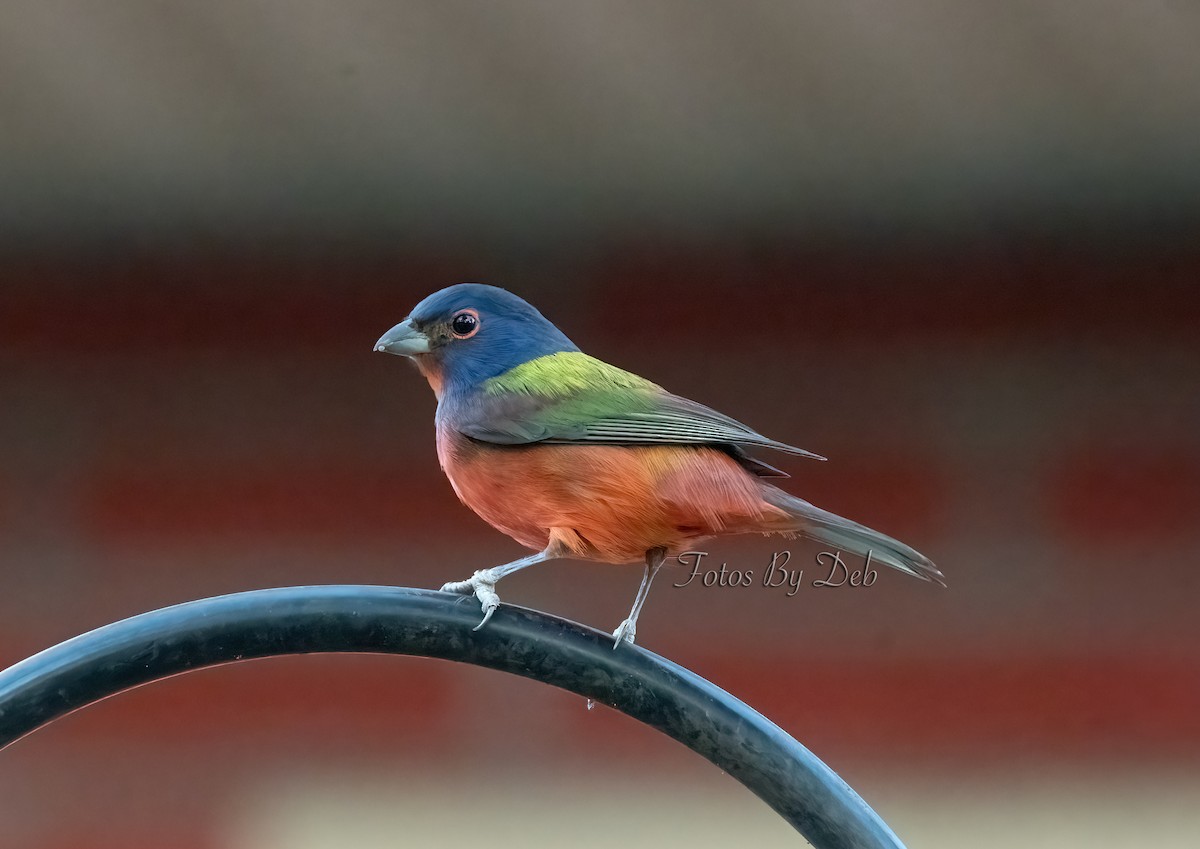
x: 625, y: 633
x: 482, y: 585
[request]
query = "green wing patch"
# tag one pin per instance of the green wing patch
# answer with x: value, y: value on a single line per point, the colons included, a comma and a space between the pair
x: 571, y: 398
x: 564, y: 374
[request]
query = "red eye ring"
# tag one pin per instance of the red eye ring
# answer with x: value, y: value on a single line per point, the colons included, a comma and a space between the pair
x: 465, y: 324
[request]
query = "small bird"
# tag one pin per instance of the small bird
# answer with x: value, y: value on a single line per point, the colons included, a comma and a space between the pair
x: 573, y: 457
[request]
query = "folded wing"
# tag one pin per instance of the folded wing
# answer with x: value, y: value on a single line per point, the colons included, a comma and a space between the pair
x: 577, y: 399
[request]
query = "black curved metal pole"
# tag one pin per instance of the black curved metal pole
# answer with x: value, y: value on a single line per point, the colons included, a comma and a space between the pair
x: 397, y: 620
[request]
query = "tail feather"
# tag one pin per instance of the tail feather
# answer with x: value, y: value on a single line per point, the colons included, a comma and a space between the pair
x: 811, y: 521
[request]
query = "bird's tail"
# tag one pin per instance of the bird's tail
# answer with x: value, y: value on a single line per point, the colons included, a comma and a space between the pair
x: 811, y: 521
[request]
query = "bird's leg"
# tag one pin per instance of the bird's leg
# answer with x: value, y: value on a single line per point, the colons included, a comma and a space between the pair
x: 627, y: 630
x: 483, y: 583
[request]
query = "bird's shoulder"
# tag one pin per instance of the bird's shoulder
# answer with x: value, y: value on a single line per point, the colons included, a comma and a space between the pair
x: 549, y: 397
x: 566, y: 374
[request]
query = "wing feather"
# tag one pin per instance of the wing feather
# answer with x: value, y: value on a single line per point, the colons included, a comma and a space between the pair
x: 675, y: 420
x: 571, y: 398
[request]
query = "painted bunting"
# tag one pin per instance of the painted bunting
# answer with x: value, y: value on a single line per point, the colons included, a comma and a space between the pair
x: 573, y: 457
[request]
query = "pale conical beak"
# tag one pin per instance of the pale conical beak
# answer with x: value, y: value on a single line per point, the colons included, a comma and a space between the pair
x: 403, y: 340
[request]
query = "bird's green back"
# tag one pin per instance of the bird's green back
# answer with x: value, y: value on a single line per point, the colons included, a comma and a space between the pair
x: 574, y: 387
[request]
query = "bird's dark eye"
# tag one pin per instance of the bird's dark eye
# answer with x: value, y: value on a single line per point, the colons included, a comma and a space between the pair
x: 465, y: 323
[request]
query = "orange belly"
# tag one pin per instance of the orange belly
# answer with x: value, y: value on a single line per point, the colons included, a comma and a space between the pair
x: 605, y: 502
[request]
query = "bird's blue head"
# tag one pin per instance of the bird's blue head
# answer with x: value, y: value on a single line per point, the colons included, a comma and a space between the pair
x: 463, y: 335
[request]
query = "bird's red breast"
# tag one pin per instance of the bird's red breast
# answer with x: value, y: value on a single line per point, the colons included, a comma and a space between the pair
x: 604, y: 502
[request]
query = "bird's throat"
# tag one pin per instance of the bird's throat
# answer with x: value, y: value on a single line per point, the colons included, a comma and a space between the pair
x: 432, y: 372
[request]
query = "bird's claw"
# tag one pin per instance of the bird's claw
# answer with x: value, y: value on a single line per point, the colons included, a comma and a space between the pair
x: 625, y: 633
x: 489, y: 607
x: 483, y: 588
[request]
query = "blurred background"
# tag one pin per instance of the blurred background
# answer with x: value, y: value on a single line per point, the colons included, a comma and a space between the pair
x: 952, y: 246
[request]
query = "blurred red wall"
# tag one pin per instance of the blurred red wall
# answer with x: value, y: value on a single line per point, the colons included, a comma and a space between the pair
x: 182, y: 426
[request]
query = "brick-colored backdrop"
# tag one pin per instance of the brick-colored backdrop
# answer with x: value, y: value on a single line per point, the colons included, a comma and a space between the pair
x: 177, y: 427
